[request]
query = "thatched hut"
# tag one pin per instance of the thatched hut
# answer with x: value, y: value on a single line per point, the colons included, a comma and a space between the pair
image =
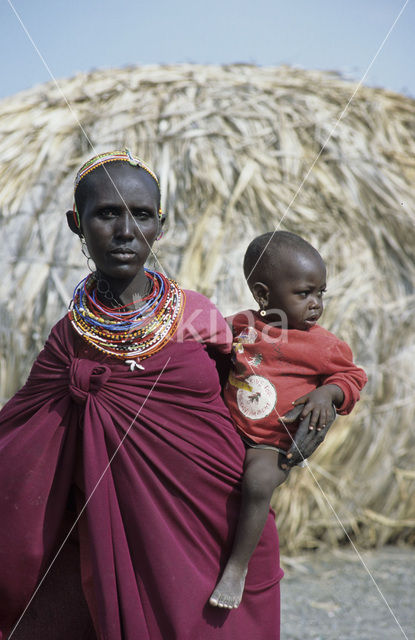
x: 240, y: 150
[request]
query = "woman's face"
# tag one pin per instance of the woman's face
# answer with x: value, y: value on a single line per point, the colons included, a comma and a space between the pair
x: 118, y: 206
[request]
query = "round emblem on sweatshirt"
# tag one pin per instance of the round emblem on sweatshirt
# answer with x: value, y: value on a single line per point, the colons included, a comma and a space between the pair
x: 259, y: 401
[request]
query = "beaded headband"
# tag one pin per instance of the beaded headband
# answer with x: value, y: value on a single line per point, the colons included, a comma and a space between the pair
x: 101, y: 159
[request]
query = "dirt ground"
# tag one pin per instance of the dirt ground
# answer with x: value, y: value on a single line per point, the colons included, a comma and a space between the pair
x: 338, y: 596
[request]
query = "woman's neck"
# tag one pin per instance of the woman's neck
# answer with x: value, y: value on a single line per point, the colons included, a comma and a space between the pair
x: 116, y: 292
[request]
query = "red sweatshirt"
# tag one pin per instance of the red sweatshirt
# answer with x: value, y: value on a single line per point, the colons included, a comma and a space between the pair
x: 274, y: 367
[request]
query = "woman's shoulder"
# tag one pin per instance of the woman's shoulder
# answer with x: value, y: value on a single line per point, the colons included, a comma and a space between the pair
x: 61, y: 338
x: 62, y: 329
x: 242, y: 319
x: 199, y: 305
x: 196, y: 300
x: 202, y: 321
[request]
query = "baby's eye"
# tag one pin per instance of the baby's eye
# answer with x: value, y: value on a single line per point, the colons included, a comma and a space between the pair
x: 302, y: 294
x: 322, y: 292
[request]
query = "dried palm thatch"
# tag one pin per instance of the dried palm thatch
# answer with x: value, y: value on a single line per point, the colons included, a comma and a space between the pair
x: 233, y: 145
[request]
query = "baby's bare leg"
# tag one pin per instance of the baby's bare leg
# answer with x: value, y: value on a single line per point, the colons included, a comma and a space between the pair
x: 262, y: 475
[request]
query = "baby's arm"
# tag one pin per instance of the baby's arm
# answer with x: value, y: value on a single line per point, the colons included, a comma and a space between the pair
x: 342, y: 383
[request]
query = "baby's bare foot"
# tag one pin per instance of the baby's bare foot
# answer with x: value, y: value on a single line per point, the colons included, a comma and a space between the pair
x: 229, y: 590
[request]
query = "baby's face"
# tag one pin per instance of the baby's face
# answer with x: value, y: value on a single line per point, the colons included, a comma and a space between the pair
x: 297, y: 290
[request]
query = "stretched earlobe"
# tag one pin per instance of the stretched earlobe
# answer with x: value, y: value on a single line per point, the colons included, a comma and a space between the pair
x: 161, y: 223
x: 73, y: 223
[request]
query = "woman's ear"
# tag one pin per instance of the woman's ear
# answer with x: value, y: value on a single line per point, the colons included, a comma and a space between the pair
x: 162, y: 220
x: 260, y: 291
x: 70, y: 218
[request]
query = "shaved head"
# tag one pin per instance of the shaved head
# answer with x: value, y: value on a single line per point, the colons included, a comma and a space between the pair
x: 279, y: 250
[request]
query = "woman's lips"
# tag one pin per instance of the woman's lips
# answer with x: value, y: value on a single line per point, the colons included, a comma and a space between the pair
x: 123, y: 254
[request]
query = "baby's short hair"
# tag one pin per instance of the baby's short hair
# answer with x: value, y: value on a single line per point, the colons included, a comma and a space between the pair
x: 272, y: 245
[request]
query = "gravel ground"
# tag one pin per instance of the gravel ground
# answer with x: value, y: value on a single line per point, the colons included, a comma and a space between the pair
x: 337, y: 596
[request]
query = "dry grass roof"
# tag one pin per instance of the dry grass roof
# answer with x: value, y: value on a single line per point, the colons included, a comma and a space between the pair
x: 241, y: 150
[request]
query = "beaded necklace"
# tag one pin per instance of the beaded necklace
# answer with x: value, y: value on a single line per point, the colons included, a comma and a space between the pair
x: 129, y: 334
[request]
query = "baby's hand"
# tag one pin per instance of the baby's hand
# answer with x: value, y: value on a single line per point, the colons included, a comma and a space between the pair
x: 319, y: 404
x: 305, y: 441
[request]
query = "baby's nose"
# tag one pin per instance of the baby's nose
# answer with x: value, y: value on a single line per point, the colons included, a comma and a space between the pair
x: 315, y: 302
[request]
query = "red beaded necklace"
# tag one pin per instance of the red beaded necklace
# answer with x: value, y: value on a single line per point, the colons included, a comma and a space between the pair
x: 129, y: 334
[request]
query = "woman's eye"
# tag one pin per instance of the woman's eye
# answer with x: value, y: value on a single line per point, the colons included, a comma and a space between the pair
x: 142, y: 214
x: 106, y: 213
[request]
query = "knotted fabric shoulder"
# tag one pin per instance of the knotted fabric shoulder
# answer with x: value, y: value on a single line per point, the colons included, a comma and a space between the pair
x: 86, y: 377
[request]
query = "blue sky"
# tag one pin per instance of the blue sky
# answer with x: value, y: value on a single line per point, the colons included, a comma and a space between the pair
x: 75, y: 35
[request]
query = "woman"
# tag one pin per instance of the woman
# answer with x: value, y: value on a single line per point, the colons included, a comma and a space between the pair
x: 121, y: 441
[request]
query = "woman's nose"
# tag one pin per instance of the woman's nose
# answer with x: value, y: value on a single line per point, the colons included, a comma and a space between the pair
x: 125, y: 226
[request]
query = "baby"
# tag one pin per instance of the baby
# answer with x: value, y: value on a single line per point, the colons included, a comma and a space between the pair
x: 281, y: 358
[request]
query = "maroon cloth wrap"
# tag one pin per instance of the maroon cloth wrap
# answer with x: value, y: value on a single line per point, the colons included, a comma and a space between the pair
x: 86, y: 377
x: 161, y: 512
